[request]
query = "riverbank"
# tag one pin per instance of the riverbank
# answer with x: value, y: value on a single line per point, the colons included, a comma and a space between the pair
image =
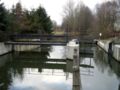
x: 109, y: 47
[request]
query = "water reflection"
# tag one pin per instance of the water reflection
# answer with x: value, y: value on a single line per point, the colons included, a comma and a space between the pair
x: 109, y: 69
x: 5, y: 76
x: 103, y: 71
x: 105, y: 61
x: 47, y: 69
x: 34, y: 71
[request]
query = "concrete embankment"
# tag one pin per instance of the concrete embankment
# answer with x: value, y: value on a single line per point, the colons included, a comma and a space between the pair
x: 113, y: 49
x: 4, y: 49
x: 25, y: 47
x: 104, y: 44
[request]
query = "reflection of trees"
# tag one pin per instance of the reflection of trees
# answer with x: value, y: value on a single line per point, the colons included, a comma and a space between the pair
x: 20, y: 60
x: 5, y: 77
x: 86, y: 48
x: 101, y: 59
x: 16, y: 71
x: 85, y: 51
x: 104, y: 61
x: 33, y: 55
x: 114, y: 65
x: 15, y: 68
x: 5, y: 73
x: 39, y: 65
x: 36, y: 60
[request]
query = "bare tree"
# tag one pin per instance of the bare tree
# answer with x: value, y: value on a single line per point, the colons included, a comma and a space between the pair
x: 77, y: 19
x: 69, y: 17
x: 117, y: 23
x: 83, y: 20
x: 106, y: 17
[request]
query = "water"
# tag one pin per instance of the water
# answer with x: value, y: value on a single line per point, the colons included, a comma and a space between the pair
x: 104, y: 76
x: 33, y: 71
x: 46, y: 69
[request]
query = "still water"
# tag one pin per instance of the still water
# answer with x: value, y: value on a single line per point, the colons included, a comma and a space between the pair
x: 46, y: 69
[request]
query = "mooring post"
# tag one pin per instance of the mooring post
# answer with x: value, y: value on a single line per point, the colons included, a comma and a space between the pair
x: 13, y: 48
x: 76, y: 71
x: 12, y: 38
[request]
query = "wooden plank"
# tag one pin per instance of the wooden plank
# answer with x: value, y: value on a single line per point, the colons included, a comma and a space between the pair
x: 40, y: 41
x: 37, y: 36
x: 35, y: 43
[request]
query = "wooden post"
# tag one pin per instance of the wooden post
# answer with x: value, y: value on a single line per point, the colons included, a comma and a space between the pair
x: 76, y: 71
x: 12, y: 39
x: 13, y: 48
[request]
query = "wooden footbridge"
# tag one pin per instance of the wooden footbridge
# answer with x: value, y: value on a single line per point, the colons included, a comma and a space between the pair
x: 37, y: 39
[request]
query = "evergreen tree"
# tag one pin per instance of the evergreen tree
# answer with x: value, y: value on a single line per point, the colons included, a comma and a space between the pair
x: 3, y: 20
x: 44, y: 24
x: 3, y: 23
x: 18, y: 20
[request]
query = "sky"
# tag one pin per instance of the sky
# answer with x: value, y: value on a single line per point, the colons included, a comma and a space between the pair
x: 54, y: 8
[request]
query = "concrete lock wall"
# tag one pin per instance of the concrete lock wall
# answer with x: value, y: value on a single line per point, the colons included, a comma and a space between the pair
x: 25, y: 47
x: 5, y: 48
x: 116, y: 52
x: 103, y: 45
x: 115, y: 49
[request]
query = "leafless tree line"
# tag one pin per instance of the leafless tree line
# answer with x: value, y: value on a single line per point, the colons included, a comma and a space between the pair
x: 80, y: 21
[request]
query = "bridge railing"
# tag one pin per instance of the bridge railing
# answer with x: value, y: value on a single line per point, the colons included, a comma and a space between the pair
x: 37, y: 39
x: 37, y: 36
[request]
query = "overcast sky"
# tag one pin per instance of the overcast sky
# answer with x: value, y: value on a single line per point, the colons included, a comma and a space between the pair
x: 54, y: 8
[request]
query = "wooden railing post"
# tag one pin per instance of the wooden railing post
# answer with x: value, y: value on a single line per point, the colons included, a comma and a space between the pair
x: 76, y: 71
